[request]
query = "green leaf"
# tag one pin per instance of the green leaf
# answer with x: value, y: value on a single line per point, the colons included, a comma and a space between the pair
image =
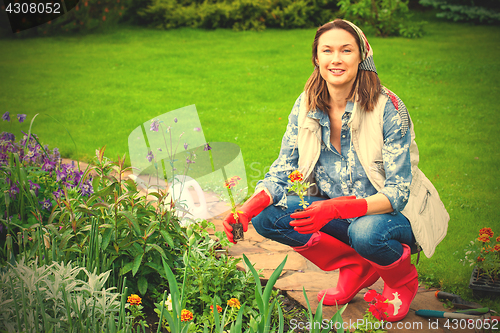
x: 132, y: 219
x: 318, y: 317
x: 105, y: 191
x: 174, y: 292
x: 167, y: 238
x: 106, y: 238
x: 157, y: 268
x: 142, y: 285
x: 101, y: 204
x: 159, y: 249
x: 137, y: 263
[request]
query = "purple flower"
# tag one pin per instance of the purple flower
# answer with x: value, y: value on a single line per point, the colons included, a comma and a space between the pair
x: 31, y: 155
x: 188, y: 161
x: 55, y: 154
x: 207, y: 147
x: 197, y: 129
x: 34, y: 186
x: 21, y: 117
x: 58, y: 194
x: 8, y: 136
x: 86, y: 188
x: 6, y: 116
x: 48, y: 165
x: 185, y: 145
x: 155, y: 125
x: 46, y: 204
x: 61, y: 175
x: 13, y: 191
x: 150, y: 156
x: 175, y: 120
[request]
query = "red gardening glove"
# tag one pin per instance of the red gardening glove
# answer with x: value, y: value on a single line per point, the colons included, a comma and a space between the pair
x: 249, y: 210
x: 314, y: 217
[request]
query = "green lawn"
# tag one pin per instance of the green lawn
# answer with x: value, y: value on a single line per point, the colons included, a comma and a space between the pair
x: 100, y: 87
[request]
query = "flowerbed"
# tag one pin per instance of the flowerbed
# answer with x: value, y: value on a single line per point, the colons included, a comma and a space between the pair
x: 94, y: 225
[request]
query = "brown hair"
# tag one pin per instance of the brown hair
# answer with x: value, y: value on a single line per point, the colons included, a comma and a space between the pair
x: 366, y: 87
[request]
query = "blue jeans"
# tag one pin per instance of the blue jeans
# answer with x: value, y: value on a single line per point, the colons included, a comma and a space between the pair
x: 376, y: 238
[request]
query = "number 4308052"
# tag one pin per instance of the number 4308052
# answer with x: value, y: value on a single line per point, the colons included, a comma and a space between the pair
x: 33, y: 8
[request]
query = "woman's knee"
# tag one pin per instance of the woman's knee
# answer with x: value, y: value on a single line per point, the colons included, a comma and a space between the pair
x: 263, y: 223
x: 366, y: 238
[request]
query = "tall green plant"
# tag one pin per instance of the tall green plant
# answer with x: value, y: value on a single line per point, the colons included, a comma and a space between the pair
x: 117, y: 228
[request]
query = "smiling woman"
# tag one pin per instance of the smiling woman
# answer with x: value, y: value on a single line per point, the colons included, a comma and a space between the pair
x: 355, y: 140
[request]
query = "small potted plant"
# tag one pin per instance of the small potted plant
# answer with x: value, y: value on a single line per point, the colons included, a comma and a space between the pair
x: 230, y: 183
x: 484, y: 254
x: 299, y: 186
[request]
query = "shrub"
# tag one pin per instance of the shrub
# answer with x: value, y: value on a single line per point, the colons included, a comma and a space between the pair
x: 301, y: 14
x: 385, y: 17
x: 237, y: 14
x: 483, y: 12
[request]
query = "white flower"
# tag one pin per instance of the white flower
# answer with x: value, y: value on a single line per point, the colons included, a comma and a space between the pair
x: 168, y: 303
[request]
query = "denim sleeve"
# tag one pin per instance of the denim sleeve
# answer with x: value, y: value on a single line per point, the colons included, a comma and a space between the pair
x: 276, y: 180
x: 396, y: 156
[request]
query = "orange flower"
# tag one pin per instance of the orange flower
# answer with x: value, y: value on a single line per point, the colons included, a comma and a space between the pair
x: 186, y: 315
x: 86, y: 3
x: 487, y: 231
x: 104, y: 18
x: 497, y: 248
x: 134, y: 299
x: 106, y: 10
x: 486, y: 249
x: 498, y: 239
x: 479, y: 259
x: 296, y: 176
x: 234, y: 303
x: 484, y: 238
x: 232, y: 182
x: 219, y: 308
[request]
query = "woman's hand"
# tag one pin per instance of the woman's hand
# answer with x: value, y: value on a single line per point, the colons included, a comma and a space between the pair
x: 249, y: 210
x: 314, y: 217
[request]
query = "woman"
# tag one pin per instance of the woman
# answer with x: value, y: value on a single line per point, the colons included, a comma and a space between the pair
x: 354, y: 139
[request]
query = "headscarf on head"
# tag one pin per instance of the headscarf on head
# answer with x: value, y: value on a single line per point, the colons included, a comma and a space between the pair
x: 367, y: 63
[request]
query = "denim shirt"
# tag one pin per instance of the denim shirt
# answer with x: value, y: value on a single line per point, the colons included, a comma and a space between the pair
x: 341, y: 174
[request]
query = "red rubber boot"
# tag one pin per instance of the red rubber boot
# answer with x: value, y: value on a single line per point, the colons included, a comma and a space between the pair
x: 400, y: 284
x: 329, y: 253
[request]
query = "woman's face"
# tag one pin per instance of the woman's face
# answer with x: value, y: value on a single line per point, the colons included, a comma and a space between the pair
x: 338, y: 58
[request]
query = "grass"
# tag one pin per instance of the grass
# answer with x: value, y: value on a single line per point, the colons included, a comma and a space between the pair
x: 100, y: 87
